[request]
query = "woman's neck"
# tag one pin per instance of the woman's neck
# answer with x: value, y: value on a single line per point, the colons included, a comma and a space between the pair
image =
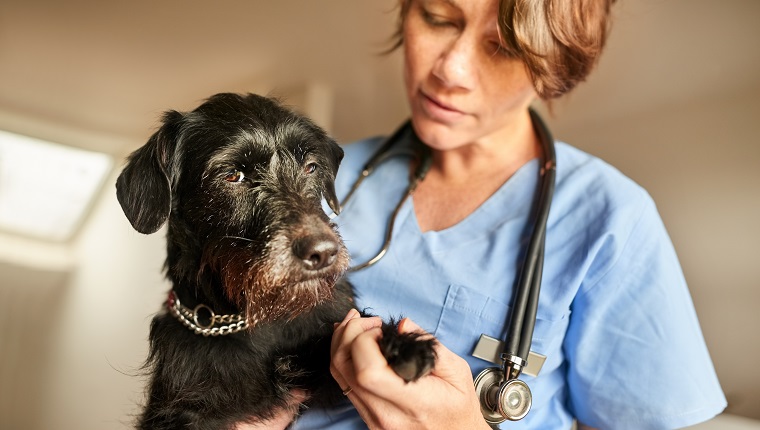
x: 503, y: 151
x: 462, y: 179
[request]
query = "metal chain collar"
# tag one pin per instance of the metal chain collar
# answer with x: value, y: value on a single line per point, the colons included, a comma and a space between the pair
x: 189, y: 317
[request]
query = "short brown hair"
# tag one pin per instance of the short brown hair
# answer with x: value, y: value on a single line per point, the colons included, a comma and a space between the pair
x: 559, y: 41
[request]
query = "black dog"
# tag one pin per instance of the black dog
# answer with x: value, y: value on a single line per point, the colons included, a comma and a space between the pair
x: 255, y: 264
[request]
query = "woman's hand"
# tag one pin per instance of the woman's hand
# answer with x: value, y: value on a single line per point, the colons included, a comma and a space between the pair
x: 444, y: 399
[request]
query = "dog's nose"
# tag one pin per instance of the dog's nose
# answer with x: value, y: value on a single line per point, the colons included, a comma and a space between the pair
x: 315, y: 252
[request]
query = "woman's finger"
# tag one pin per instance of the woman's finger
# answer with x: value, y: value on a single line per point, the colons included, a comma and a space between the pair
x: 372, y: 371
x: 341, y: 363
x: 351, y: 326
x: 338, y: 355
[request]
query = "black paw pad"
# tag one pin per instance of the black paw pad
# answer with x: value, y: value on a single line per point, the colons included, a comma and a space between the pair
x: 410, y: 355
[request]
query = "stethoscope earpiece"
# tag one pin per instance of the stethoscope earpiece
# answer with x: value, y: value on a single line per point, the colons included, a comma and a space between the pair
x: 502, y: 400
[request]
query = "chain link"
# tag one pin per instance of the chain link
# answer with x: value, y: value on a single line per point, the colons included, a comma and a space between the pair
x: 189, y: 318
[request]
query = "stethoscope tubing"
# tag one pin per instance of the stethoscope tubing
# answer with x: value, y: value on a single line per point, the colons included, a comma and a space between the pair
x: 525, y: 303
x: 522, y: 318
x: 424, y: 161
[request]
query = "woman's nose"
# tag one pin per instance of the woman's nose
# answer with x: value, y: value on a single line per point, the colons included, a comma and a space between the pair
x: 455, y: 66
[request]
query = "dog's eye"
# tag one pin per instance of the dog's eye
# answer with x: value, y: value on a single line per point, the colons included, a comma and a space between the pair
x: 237, y: 176
x: 310, y: 168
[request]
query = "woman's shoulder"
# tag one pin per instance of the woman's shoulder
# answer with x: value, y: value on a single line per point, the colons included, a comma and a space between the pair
x: 581, y: 175
x: 574, y: 164
x: 597, y: 197
x: 613, y: 221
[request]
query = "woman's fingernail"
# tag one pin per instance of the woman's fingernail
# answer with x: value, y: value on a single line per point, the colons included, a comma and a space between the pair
x: 406, y: 325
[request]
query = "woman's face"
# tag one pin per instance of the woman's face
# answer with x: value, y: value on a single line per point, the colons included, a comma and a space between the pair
x: 463, y: 87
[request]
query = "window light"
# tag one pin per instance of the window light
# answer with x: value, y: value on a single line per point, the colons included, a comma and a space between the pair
x: 46, y: 188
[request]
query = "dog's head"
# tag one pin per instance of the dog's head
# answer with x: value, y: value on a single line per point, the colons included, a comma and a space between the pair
x: 240, y: 180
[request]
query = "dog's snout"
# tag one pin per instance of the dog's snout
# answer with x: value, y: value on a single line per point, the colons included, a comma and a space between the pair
x: 316, y: 252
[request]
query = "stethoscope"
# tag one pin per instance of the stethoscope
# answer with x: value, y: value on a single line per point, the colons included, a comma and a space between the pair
x: 502, y: 395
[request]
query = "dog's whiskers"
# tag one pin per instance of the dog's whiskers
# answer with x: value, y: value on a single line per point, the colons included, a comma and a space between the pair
x: 237, y: 238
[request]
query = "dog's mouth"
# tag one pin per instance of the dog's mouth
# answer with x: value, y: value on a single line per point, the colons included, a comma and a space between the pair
x: 267, y: 302
x: 285, y: 279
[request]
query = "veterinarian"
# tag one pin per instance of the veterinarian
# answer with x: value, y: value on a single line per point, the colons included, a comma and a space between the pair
x: 622, y: 345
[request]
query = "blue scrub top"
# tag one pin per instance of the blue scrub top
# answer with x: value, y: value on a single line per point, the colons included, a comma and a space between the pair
x: 615, y: 319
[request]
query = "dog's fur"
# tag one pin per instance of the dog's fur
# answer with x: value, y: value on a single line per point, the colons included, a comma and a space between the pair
x: 240, y: 181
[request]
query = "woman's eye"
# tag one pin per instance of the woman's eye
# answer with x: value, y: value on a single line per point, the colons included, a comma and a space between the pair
x: 310, y: 168
x: 237, y: 176
x: 436, y: 20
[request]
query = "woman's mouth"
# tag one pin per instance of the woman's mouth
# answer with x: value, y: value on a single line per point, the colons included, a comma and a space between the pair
x: 439, y: 110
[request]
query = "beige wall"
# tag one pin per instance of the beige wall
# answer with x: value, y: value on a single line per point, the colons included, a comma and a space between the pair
x: 71, y: 357
x: 99, y: 338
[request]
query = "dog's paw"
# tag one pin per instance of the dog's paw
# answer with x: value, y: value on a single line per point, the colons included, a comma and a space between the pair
x: 410, y: 355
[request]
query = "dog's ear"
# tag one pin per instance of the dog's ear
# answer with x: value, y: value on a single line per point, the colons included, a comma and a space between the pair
x: 144, y: 186
x: 334, y: 157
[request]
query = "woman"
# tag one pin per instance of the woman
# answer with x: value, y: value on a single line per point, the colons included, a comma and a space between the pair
x: 615, y: 320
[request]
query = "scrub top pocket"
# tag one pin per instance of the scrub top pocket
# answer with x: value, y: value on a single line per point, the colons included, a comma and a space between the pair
x: 467, y: 313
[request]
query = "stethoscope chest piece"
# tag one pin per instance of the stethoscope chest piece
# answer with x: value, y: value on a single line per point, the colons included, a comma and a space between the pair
x: 502, y: 400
